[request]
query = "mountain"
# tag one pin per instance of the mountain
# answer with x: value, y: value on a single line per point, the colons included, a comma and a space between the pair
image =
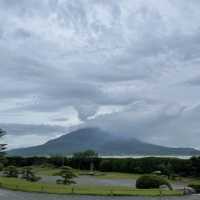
x: 102, y: 142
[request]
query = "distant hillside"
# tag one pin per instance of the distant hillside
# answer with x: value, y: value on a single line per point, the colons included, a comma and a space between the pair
x: 102, y: 142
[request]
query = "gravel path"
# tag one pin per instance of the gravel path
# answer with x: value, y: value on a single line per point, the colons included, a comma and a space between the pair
x: 92, y: 180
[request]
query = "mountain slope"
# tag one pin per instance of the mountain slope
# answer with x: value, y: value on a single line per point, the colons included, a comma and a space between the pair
x: 102, y: 142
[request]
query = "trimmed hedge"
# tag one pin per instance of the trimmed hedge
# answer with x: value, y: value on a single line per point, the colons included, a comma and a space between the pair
x: 151, y: 182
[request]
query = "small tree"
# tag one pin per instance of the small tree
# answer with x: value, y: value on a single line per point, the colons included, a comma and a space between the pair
x: 67, y: 175
x: 29, y: 175
x: 11, y: 171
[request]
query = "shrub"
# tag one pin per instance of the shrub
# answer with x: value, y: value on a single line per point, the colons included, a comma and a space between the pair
x: 195, y: 186
x: 67, y: 175
x: 11, y: 171
x: 151, y: 181
x: 29, y: 175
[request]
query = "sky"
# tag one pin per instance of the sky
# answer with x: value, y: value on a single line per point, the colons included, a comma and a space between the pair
x: 131, y: 67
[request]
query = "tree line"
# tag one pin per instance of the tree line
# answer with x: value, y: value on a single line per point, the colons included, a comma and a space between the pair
x: 167, y: 166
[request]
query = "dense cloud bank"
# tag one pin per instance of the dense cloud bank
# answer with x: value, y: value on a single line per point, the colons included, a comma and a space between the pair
x: 131, y: 67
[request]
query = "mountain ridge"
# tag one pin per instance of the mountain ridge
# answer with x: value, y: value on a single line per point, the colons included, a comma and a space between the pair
x: 102, y: 142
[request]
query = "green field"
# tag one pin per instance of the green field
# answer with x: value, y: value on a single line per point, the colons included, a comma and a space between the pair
x: 21, y: 185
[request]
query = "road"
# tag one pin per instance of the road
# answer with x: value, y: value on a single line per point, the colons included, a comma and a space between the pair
x: 12, y: 195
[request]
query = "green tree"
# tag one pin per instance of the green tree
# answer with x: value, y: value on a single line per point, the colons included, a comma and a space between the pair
x: 11, y: 171
x: 29, y: 175
x: 195, y: 161
x: 67, y: 175
x: 89, y: 156
x: 167, y: 169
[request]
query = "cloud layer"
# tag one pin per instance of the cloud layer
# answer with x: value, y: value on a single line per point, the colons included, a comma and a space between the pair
x: 131, y: 67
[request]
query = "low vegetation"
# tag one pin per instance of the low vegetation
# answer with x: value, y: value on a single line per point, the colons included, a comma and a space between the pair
x: 67, y: 175
x: 22, y: 185
x: 195, y: 185
x: 29, y: 175
x: 152, y: 182
x: 11, y: 171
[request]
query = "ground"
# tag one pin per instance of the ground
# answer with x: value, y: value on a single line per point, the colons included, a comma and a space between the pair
x: 13, y: 195
x: 109, y: 184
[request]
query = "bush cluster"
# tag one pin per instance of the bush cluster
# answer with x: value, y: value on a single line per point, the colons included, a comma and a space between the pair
x: 151, y: 182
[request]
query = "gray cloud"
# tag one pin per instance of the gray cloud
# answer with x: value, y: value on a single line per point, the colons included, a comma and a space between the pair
x: 29, y: 134
x: 195, y: 81
x: 24, y: 129
x: 77, y: 60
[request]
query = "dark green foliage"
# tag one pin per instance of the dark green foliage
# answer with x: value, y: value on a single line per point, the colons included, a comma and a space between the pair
x: 1, y: 166
x: 195, y: 186
x: 29, y: 175
x: 11, y: 171
x: 67, y: 175
x: 89, y: 156
x: 167, y: 170
x: 168, y: 166
x: 105, y: 165
x: 151, y: 182
x: 3, y: 161
x: 195, y: 162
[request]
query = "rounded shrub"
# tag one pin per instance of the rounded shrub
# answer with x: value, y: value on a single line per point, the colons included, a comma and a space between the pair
x: 151, y: 182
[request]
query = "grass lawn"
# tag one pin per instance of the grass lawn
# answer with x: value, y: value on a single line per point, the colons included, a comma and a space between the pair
x: 22, y: 185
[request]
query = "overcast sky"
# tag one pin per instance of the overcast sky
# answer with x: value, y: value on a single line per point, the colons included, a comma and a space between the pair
x: 128, y: 66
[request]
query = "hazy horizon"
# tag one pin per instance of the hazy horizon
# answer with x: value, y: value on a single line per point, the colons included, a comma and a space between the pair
x: 130, y: 67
